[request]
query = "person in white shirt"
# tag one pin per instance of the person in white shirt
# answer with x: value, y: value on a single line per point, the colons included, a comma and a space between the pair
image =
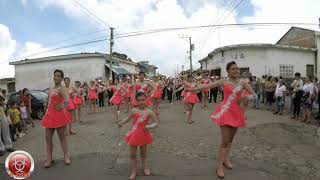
x: 309, y: 96
x: 279, y: 96
x: 5, y: 141
x: 297, y: 95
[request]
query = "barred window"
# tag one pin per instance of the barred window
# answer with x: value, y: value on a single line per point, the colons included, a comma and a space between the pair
x: 286, y: 71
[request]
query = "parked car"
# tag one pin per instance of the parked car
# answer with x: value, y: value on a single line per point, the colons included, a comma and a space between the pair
x: 38, y: 100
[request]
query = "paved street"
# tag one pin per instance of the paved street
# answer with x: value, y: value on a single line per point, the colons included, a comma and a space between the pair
x: 269, y: 148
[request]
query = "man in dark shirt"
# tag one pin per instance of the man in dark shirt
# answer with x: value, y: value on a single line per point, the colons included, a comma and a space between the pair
x: 213, y: 92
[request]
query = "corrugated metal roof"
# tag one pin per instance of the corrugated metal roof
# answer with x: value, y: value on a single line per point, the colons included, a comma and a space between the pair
x: 119, y: 70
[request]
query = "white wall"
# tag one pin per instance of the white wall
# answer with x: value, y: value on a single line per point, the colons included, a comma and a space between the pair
x: 4, y: 86
x: 40, y: 75
x: 263, y: 60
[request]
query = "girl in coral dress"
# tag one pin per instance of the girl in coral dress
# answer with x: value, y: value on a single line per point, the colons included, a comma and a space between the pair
x: 142, y: 86
x: 71, y: 106
x: 156, y: 95
x: 205, y: 92
x: 93, y: 90
x: 57, y: 118
x: 229, y: 115
x: 78, y: 99
x: 143, y: 120
x: 183, y: 94
x: 128, y: 93
x: 190, y: 98
x: 117, y: 98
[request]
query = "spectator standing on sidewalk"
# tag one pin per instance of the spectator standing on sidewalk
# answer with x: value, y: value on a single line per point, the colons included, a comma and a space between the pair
x: 263, y: 92
x: 317, y: 84
x: 297, y: 95
x: 309, y: 95
x: 255, y: 84
x: 269, y: 92
x: 109, y: 91
x: 101, y: 92
x: 164, y: 90
x: 26, y: 99
x: 170, y: 87
x: 213, y: 91
x: 280, y: 97
x: 5, y: 141
x: 16, y: 125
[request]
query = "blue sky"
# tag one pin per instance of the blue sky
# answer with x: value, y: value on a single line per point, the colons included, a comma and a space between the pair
x: 47, y: 26
x: 50, y: 25
x: 31, y: 26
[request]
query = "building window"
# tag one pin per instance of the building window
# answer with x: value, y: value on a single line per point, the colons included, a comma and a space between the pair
x: 310, y: 70
x: 286, y: 71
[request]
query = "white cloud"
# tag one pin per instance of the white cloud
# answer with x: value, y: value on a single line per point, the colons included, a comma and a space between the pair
x: 166, y: 49
x: 34, y: 50
x: 7, y: 44
x: 24, y: 2
x: 6, y: 70
x: 7, y: 48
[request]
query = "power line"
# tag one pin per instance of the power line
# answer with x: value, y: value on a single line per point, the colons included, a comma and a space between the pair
x: 97, y: 19
x: 90, y: 14
x: 67, y: 46
x: 75, y: 37
x: 203, y: 39
x: 139, y: 33
x: 235, y: 7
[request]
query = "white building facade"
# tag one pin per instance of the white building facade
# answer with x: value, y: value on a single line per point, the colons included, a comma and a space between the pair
x: 297, y: 51
x: 37, y: 74
x: 261, y: 59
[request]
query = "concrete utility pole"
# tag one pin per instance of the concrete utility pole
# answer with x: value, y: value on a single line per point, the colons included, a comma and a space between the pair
x: 111, y: 46
x: 191, y: 48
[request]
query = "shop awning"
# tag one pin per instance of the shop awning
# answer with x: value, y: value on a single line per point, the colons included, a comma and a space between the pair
x: 118, y: 70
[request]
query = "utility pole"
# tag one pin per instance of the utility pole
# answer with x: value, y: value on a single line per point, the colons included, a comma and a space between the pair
x: 111, y: 46
x: 190, y: 52
x: 191, y: 48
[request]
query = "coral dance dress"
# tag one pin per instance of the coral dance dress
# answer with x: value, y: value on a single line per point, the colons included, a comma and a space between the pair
x: 71, y: 105
x: 116, y: 98
x: 157, y: 93
x: 190, y: 97
x: 138, y: 136
x: 144, y: 89
x: 93, y: 94
x: 78, y: 100
x: 229, y: 112
x: 204, y: 82
x: 52, y: 117
x: 129, y: 90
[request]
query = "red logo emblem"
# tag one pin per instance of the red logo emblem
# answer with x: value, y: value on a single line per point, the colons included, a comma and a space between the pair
x: 19, y: 165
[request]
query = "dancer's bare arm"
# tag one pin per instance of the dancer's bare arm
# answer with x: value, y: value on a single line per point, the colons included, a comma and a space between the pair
x: 126, y: 120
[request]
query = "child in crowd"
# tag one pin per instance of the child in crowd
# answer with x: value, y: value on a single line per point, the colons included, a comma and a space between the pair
x: 24, y: 117
x: 14, y: 114
x: 139, y: 135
